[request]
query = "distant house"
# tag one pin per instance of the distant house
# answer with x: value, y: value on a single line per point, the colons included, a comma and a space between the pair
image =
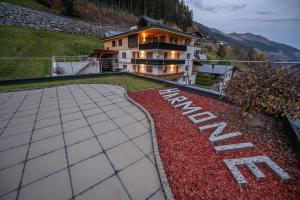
x: 220, y: 73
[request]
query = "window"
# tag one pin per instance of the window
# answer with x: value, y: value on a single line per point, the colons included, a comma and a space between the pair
x: 123, y: 54
x: 125, y: 67
x: 186, y: 68
x: 107, y: 48
x: 113, y: 43
x: 149, y: 69
x: 165, y: 55
x: 165, y: 69
x: 171, y: 39
x: 120, y: 42
x: 188, y: 56
x: 134, y: 68
x: 149, y: 55
x: 187, y: 42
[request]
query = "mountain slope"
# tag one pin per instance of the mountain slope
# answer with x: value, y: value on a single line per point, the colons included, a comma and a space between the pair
x: 275, y: 51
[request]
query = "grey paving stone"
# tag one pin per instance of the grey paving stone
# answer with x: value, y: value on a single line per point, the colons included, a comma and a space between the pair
x: 109, y: 189
x: 131, y: 109
x: 140, y: 179
x: 83, y: 150
x: 75, y: 124
x: 146, y: 123
x: 46, y: 115
x: 21, y: 120
x: 88, y: 106
x: 124, y: 104
x: 78, y: 135
x: 45, y: 146
x: 124, y: 120
x: 103, y: 127
x: 104, y: 103
x: 14, y: 141
x: 3, y: 123
x: 159, y: 195
x: 12, y: 177
x: 123, y: 155
x: 112, y: 139
x: 47, y: 122
x: 25, y: 113
x: 69, y: 110
x: 6, y: 116
x: 13, y: 156
x: 134, y: 130
x: 116, y: 113
x: 48, y: 109
x: 10, y: 196
x: 48, y: 102
x: 144, y: 142
x: 72, y: 116
x: 93, y: 111
x: 151, y: 157
x: 97, y: 118
x: 110, y: 107
x: 14, y: 130
x: 56, y: 186
x: 139, y: 115
x: 42, y: 166
x: 90, y: 172
x: 46, y: 132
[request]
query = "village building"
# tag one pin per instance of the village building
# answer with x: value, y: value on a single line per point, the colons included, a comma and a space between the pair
x: 156, y: 50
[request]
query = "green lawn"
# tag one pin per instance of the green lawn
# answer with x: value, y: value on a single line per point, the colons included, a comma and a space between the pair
x: 27, y: 3
x: 132, y: 83
x: 27, y: 42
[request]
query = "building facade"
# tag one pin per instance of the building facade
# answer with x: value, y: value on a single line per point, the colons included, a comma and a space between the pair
x: 155, y: 50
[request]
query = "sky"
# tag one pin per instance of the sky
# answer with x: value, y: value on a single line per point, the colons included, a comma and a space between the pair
x: 277, y: 20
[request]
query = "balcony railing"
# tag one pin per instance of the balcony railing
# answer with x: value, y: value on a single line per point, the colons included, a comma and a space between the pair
x: 162, y: 45
x: 166, y: 76
x: 158, y: 61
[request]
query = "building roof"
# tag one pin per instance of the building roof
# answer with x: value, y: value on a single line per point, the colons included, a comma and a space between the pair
x: 214, y: 69
x: 146, y: 23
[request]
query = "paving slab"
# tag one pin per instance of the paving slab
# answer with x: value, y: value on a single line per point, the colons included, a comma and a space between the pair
x: 84, y: 141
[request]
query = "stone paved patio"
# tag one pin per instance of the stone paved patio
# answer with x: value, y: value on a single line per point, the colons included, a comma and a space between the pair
x: 75, y: 142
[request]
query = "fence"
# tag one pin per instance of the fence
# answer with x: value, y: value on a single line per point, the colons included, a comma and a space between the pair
x: 30, y: 67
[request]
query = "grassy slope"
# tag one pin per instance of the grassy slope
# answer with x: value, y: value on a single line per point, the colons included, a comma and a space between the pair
x: 27, y: 3
x: 27, y: 42
x: 132, y: 83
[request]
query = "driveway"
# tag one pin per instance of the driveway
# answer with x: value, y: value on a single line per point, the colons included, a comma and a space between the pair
x: 85, y: 142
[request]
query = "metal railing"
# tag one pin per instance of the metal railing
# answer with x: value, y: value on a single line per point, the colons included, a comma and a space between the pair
x: 37, y: 67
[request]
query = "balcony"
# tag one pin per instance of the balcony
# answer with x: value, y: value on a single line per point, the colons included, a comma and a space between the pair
x: 162, y: 45
x: 169, y: 76
x: 158, y: 61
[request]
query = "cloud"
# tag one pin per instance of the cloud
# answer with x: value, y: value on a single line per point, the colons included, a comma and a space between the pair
x: 264, y: 13
x: 287, y: 19
x: 201, y: 5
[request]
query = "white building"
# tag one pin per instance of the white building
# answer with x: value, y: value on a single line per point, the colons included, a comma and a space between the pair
x: 155, y: 50
x: 221, y: 73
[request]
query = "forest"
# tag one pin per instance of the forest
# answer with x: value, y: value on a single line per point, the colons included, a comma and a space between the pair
x: 172, y: 12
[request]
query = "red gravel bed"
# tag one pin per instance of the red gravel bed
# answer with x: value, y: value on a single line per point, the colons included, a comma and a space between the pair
x: 193, y: 168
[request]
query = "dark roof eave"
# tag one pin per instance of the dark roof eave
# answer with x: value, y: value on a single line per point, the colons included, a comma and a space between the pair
x: 147, y: 28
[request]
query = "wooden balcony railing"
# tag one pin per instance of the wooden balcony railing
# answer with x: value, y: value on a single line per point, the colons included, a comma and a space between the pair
x: 162, y: 45
x: 158, y: 61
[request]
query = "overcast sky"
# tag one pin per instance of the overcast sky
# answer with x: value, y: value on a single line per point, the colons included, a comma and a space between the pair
x: 278, y: 20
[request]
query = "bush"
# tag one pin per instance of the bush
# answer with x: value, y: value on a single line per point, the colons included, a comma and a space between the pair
x: 204, y: 80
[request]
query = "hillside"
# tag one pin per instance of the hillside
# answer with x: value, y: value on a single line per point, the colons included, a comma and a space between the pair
x: 274, y: 51
x: 27, y: 42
